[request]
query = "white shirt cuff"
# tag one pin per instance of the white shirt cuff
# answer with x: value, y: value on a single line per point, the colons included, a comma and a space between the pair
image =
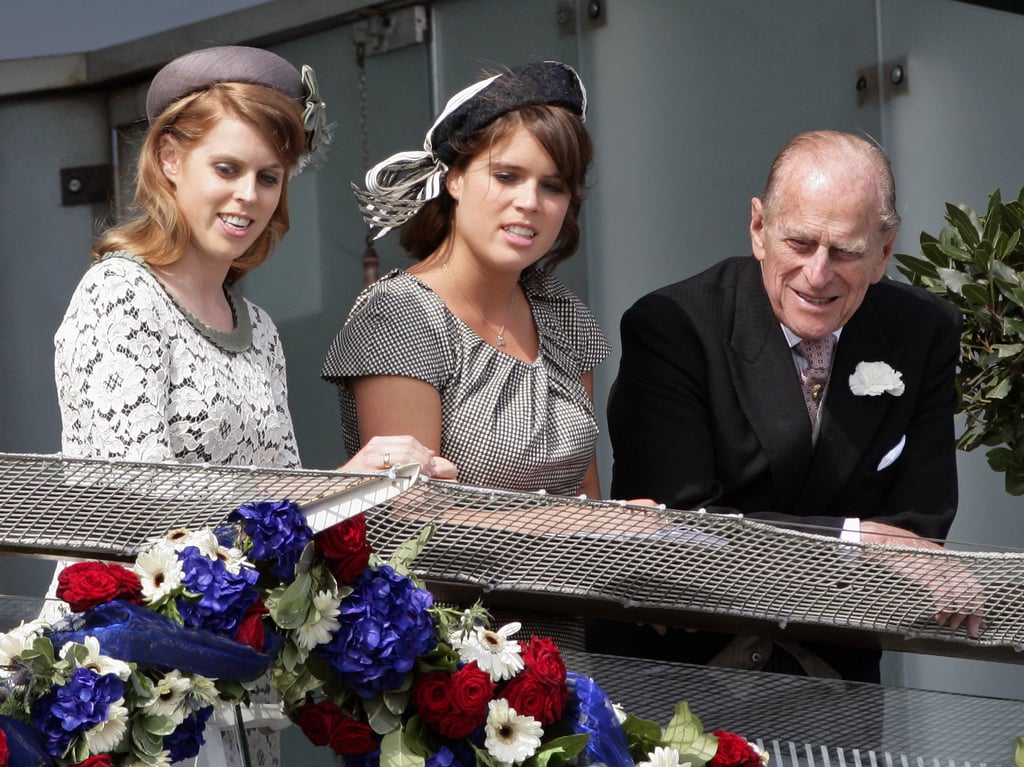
x: 851, y: 530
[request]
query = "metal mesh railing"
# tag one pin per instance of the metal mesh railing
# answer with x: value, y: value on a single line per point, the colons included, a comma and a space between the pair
x: 54, y: 506
x: 583, y: 557
x: 694, y: 568
x: 568, y: 556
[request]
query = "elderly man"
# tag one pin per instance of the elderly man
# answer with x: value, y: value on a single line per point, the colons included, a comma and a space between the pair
x: 799, y: 386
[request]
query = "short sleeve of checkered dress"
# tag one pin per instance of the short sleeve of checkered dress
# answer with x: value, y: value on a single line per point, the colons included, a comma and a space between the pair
x: 397, y: 327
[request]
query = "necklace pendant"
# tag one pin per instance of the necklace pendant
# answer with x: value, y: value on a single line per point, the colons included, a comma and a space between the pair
x: 501, y: 339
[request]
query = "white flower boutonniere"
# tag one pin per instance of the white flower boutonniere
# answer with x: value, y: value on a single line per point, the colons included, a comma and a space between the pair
x: 873, y: 378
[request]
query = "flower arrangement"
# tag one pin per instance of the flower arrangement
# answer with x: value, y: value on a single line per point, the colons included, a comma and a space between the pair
x: 364, y: 661
x: 872, y: 379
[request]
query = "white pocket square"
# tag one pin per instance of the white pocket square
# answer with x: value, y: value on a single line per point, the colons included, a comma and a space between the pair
x: 890, y: 458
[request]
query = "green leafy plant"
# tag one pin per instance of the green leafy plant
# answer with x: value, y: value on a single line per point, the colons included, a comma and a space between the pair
x: 977, y: 262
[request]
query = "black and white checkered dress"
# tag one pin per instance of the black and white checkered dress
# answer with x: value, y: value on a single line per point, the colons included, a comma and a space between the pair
x: 506, y: 423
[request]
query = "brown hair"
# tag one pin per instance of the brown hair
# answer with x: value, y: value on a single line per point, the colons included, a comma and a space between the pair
x: 158, y: 233
x: 562, y: 135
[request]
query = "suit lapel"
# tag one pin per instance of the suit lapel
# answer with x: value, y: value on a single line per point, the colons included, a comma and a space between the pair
x: 757, y: 354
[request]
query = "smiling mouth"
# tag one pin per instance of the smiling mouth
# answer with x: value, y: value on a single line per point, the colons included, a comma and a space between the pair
x: 520, y: 231
x: 815, y: 300
x: 240, y: 223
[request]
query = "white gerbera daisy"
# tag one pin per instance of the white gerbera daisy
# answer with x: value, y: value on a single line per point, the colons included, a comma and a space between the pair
x: 107, y: 735
x: 663, y: 757
x: 312, y: 634
x: 159, y: 571
x: 14, y: 642
x: 98, y: 662
x: 510, y: 737
x: 494, y: 651
x: 170, y: 696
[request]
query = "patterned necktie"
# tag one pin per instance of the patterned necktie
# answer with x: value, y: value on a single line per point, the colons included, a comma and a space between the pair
x: 818, y: 354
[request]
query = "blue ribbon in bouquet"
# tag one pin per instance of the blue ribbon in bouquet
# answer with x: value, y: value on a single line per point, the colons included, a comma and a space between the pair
x: 134, y: 634
x: 24, y: 748
x: 596, y: 717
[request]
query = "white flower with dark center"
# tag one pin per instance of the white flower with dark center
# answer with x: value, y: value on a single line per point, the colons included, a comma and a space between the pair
x: 14, y: 642
x: 105, y: 736
x: 494, y: 651
x: 662, y: 757
x: 170, y: 697
x: 159, y: 571
x: 870, y: 379
x: 98, y: 662
x: 511, y: 738
x: 319, y: 632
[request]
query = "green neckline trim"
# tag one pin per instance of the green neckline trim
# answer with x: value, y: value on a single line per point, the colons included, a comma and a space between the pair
x: 234, y: 341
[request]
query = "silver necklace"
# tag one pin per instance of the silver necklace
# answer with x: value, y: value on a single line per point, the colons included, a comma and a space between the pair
x: 508, y: 310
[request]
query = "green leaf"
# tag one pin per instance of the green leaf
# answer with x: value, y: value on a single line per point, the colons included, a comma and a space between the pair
x: 965, y: 221
x: 953, y: 280
x: 1007, y: 350
x: 395, y: 753
x: 1000, y: 390
x: 417, y: 734
x: 557, y: 751
x: 404, y: 555
x: 382, y: 720
x: 686, y: 734
x: 977, y: 294
x: 1013, y: 327
x: 642, y: 735
x: 913, y: 267
x: 293, y: 607
x: 1018, y: 757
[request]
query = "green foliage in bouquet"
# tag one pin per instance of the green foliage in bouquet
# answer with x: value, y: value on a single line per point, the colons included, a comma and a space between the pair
x: 977, y: 262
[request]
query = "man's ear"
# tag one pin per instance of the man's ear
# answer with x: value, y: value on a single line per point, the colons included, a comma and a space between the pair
x: 757, y: 233
x: 887, y: 248
x: 170, y: 158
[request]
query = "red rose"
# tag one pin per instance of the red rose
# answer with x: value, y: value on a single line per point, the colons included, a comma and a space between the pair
x: 5, y: 755
x: 100, y: 760
x: 540, y: 689
x: 734, y: 751
x: 471, y: 691
x: 543, y: 658
x: 84, y: 585
x: 345, y: 548
x: 317, y: 720
x: 250, y: 628
x: 352, y: 737
x: 431, y: 693
x: 532, y: 695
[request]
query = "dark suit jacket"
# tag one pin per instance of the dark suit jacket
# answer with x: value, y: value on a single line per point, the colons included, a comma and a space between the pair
x: 707, y: 412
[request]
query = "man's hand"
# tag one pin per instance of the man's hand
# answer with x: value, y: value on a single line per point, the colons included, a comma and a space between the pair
x: 958, y: 593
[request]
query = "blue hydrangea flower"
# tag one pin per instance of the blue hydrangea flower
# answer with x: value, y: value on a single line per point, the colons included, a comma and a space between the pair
x: 278, y: 532
x: 443, y: 757
x: 384, y: 627
x: 224, y: 596
x: 187, y: 738
x: 72, y: 709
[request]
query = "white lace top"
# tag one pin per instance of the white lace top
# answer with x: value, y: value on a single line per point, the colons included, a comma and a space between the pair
x: 139, y: 378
